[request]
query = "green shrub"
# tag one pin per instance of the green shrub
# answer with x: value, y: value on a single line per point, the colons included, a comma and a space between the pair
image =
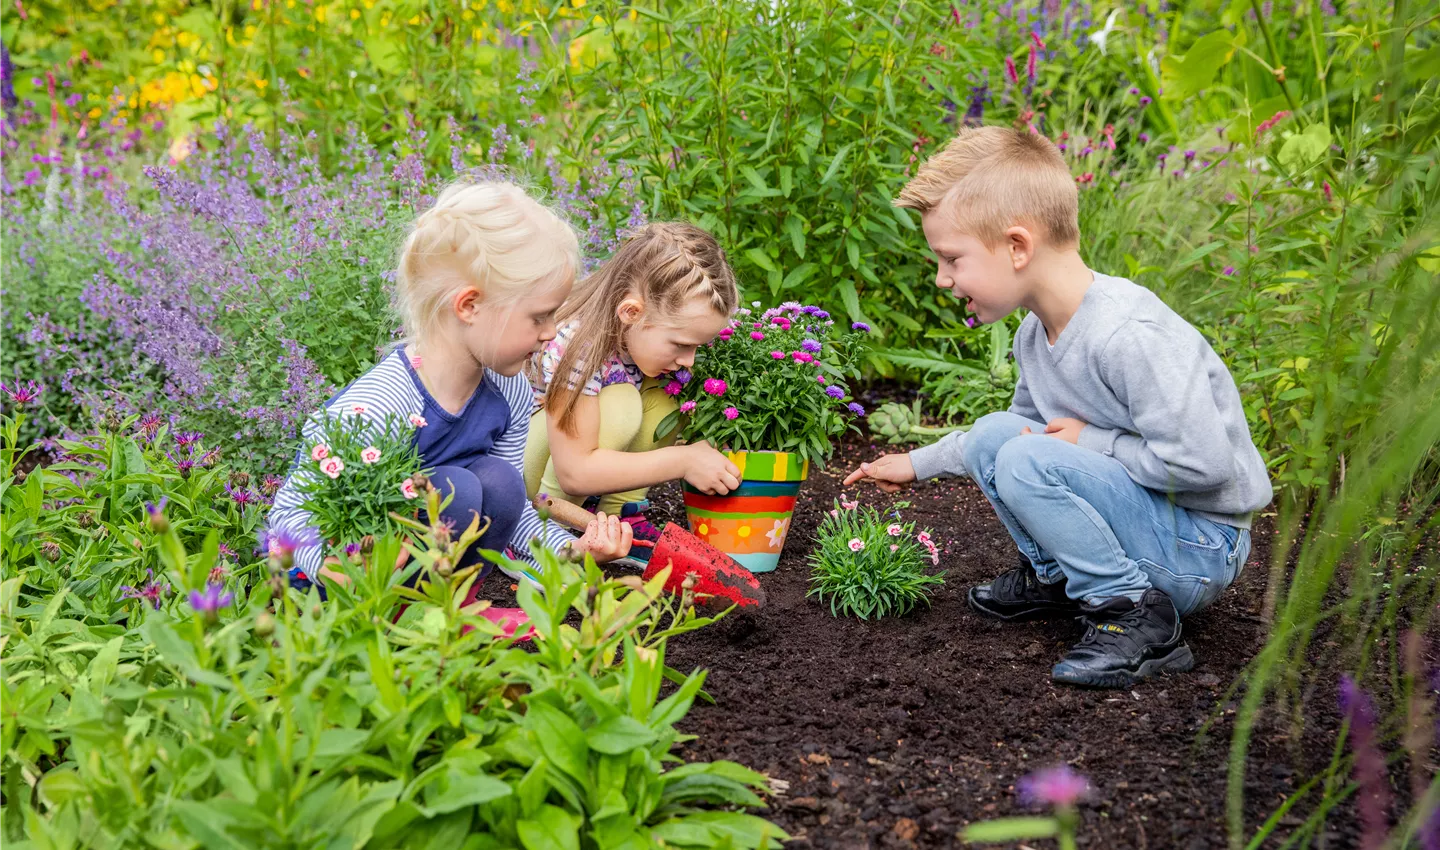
x: 866, y: 564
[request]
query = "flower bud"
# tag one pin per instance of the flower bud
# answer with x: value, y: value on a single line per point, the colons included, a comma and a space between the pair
x: 112, y: 420
x: 51, y: 550
x: 367, y: 544
x: 239, y: 479
x: 691, y: 579
x: 265, y: 624
x: 156, y: 514
x: 421, y: 481
x: 85, y: 520
x: 316, y: 611
x: 443, y: 567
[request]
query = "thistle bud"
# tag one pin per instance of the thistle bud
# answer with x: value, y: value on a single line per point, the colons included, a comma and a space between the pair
x: 265, y: 624
x: 367, y: 544
x: 239, y: 479
x: 51, y: 550
x: 112, y: 420
x: 85, y: 520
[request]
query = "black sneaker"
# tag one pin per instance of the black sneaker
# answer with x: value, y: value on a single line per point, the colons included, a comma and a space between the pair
x: 1019, y: 595
x: 1125, y: 642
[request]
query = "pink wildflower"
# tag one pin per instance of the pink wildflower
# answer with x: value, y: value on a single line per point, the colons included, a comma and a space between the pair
x: 418, y: 421
x: 715, y: 386
x: 673, y: 388
x: 777, y: 355
x: 357, y: 409
x: 369, y: 454
x: 1055, y: 786
x: 319, y: 452
x: 332, y: 466
x: 687, y: 407
x: 1010, y: 72
x: 894, y: 530
x: 732, y: 413
x: 756, y: 335
x: 407, y: 489
x: 856, y: 544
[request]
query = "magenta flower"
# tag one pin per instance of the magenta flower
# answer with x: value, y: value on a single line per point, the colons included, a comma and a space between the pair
x: 756, y: 335
x: 242, y: 496
x: 22, y: 393
x: 1030, y: 65
x: 732, y: 413
x: 674, y: 388
x: 270, y: 485
x: 715, y: 386
x: 150, y: 423
x: 1228, y: 271
x: 209, y: 602
x: 1010, y: 72
x: 820, y: 378
x: 282, y: 543
x: 1035, y: 37
x: 777, y: 355
x: 803, y: 356
x: 151, y: 591
x: 860, y: 326
x: 1057, y: 786
x: 687, y: 407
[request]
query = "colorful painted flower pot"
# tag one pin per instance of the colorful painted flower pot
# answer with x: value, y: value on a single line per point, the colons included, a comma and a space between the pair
x: 750, y: 524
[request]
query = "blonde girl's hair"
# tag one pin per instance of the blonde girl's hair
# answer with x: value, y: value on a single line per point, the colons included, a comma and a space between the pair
x: 665, y: 265
x: 490, y: 235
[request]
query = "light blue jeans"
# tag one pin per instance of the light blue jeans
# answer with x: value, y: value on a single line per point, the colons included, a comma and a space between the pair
x: 1076, y: 514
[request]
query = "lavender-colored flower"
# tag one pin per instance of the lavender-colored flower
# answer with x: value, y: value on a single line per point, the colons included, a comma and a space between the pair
x: 855, y: 409
x: 1374, y: 792
x: 1228, y: 271
x: 683, y: 376
x: 188, y: 438
x: 1145, y: 100
x: 155, y: 515
x: 281, y: 544
x: 151, y: 591
x: 22, y: 393
x: 209, y: 601
x: 834, y: 391
x: 821, y: 314
x: 860, y: 326
x: 1058, y: 786
x: 8, y: 100
x: 242, y: 496
x: 811, y: 345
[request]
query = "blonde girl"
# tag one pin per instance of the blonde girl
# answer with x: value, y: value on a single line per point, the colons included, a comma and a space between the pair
x: 481, y: 276
x: 641, y: 315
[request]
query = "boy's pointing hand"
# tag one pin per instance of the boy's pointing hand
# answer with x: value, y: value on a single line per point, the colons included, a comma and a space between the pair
x: 890, y: 473
x: 1066, y: 429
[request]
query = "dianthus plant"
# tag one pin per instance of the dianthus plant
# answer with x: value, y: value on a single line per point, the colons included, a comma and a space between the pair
x: 868, y: 564
x: 355, y: 470
x: 772, y: 381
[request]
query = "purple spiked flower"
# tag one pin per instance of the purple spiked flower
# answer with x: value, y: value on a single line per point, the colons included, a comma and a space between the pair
x: 188, y: 438
x: 22, y: 393
x: 1058, y: 786
x: 209, y: 601
x: 1370, y: 775
x: 151, y: 591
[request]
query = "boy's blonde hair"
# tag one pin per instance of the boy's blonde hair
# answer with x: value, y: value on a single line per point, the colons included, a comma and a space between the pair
x: 492, y: 236
x: 992, y: 178
x: 664, y: 264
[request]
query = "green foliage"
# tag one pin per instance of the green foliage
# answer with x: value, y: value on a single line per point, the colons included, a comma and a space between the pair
x: 958, y: 387
x: 866, y: 564
x: 292, y: 723
x: 782, y: 392
x: 357, y: 472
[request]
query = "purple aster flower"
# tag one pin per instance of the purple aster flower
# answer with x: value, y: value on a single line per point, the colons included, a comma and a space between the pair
x: 855, y: 409
x: 151, y: 591
x: 821, y: 314
x: 811, y: 345
x: 209, y: 601
x: 22, y: 393
x: 834, y: 391
x: 1228, y: 271
x: 1145, y: 100
x: 242, y: 496
x: 683, y: 376
x: 860, y: 326
x: 1057, y: 786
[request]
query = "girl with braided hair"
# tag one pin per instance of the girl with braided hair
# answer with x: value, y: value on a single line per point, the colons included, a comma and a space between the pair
x: 598, y: 390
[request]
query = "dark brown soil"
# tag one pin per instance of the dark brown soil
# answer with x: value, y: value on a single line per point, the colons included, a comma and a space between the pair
x: 899, y: 732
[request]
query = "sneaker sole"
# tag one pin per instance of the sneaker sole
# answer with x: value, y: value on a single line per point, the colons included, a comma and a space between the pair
x: 1029, y: 614
x: 1179, y: 660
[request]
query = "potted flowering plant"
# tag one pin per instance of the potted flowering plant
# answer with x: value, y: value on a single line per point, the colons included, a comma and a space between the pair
x: 357, y: 473
x: 771, y: 392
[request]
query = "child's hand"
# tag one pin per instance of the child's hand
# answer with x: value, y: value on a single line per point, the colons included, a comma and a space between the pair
x: 709, y: 471
x: 890, y: 473
x: 606, y: 538
x: 1066, y: 429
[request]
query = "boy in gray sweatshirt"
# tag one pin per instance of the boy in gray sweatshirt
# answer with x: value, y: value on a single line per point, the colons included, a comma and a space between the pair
x: 1124, y: 468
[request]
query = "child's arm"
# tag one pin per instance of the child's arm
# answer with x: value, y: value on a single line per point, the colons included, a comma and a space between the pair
x: 1181, y: 445
x: 585, y: 469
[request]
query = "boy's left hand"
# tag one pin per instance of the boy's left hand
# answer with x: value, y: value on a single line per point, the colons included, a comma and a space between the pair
x: 1067, y: 429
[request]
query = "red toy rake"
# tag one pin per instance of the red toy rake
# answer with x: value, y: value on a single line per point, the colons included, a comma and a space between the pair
x: 718, y: 577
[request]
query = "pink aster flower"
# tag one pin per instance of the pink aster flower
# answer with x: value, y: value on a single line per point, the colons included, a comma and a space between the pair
x: 820, y: 378
x: 332, y: 466
x: 802, y: 356
x: 369, y: 454
x: 732, y: 413
x: 687, y: 407
x: 674, y: 388
x: 319, y: 452
x: 715, y: 386
x: 756, y: 335
x: 1054, y: 786
x: 777, y: 355
x: 856, y: 544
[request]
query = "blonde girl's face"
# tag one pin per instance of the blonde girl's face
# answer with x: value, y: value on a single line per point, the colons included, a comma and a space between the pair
x: 659, y: 345
x: 502, y: 337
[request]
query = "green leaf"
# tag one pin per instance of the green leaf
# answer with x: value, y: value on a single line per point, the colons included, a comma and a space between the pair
x: 559, y: 738
x: 1183, y: 76
x: 385, y: 55
x: 836, y: 163
x: 1012, y: 829
x: 462, y: 789
x: 553, y: 829
x: 795, y: 226
x: 760, y: 258
x: 618, y: 735
x: 1202, y: 251
x: 799, y: 275
x: 851, y: 299
x: 205, y: 825
x: 1303, y: 149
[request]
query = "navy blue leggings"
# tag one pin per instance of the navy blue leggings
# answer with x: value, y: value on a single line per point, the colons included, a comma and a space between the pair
x: 488, y: 488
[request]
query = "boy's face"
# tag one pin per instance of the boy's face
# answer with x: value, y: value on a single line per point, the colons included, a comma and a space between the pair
x: 981, y: 278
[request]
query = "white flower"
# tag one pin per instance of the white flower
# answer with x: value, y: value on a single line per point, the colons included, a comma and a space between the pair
x: 1100, y: 36
x: 894, y: 530
x: 418, y: 421
x: 369, y: 454
x: 777, y: 534
x: 856, y: 544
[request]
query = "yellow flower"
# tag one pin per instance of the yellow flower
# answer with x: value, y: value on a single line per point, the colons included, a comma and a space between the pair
x: 320, y: 13
x: 158, y: 55
x: 354, y: 14
x: 179, y: 149
x: 579, y: 4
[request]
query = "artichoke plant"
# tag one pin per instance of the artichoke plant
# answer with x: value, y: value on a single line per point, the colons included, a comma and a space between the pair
x: 897, y: 423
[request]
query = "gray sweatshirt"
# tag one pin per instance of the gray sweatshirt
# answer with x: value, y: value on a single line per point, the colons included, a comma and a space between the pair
x: 1157, y: 397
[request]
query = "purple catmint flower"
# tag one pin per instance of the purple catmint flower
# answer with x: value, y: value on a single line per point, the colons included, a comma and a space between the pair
x: 22, y: 393
x: 1058, y: 786
x: 209, y: 601
x: 811, y: 345
x: 8, y: 100
x: 1373, y: 798
x: 834, y: 391
x: 855, y: 409
x: 151, y: 592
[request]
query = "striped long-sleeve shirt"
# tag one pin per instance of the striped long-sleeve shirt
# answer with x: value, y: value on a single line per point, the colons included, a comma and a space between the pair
x: 495, y: 422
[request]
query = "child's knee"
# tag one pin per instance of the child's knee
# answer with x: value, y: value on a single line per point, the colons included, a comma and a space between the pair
x: 502, y: 487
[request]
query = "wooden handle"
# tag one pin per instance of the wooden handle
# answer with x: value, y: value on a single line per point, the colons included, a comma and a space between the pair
x: 571, y: 516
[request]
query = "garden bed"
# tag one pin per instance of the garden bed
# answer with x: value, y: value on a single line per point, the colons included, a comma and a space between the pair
x: 898, y: 732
